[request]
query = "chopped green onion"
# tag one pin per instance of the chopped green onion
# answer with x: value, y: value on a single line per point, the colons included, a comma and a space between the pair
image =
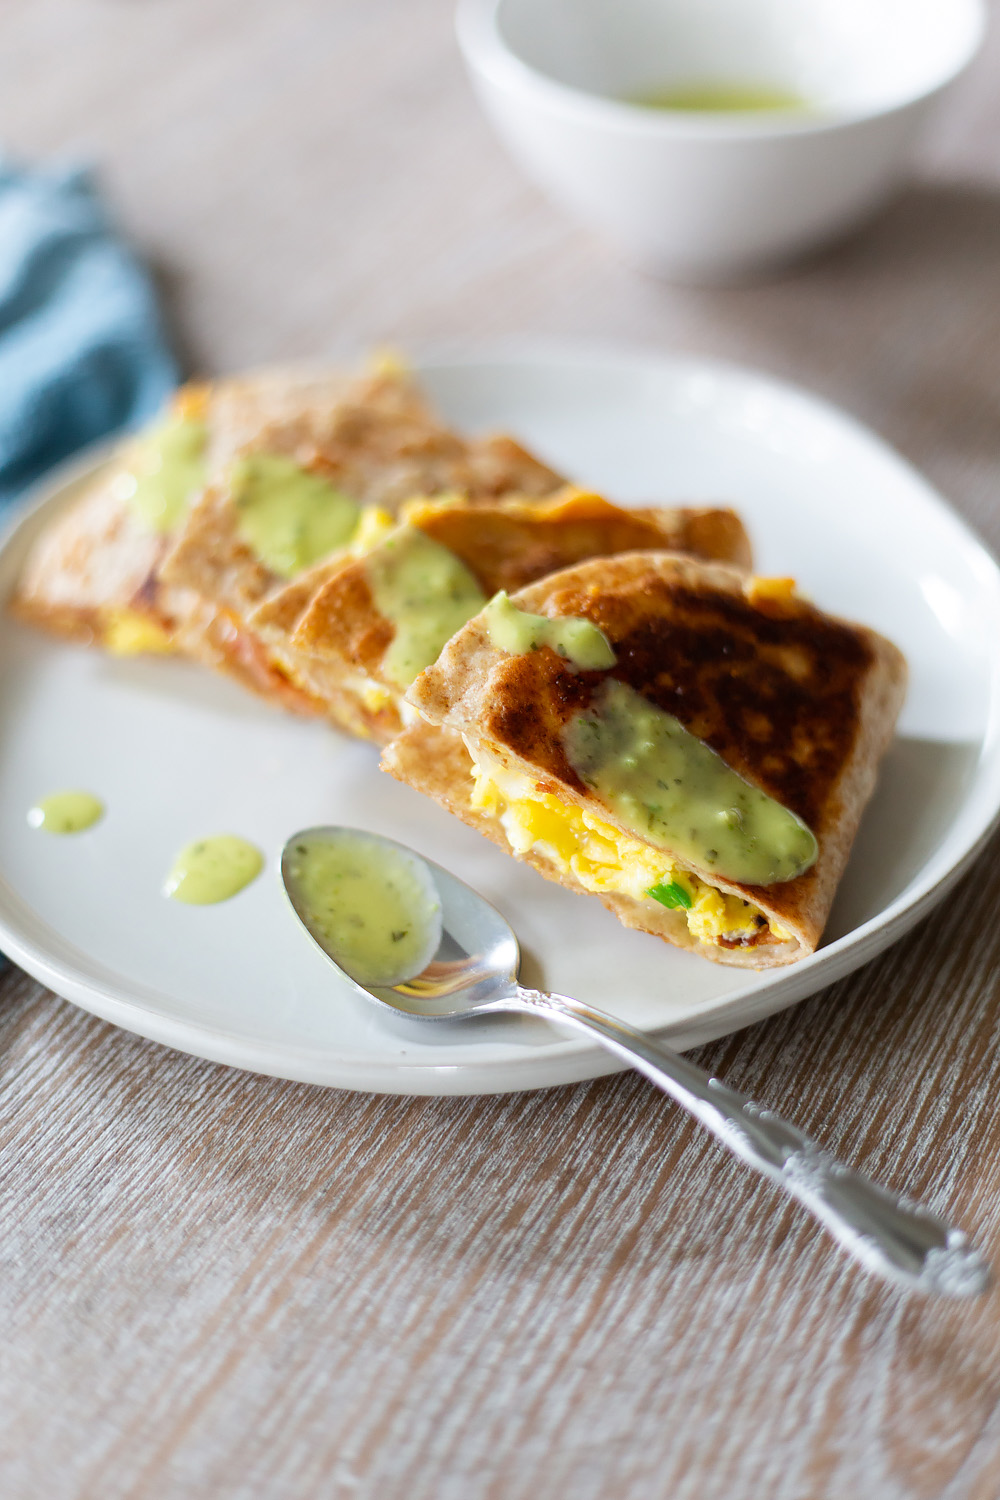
x: 670, y: 893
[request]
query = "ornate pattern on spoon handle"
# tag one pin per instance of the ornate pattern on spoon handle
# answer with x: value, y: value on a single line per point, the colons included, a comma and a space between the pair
x: 885, y: 1231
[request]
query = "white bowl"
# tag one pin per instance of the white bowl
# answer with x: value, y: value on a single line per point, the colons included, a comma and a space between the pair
x: 701, y: 195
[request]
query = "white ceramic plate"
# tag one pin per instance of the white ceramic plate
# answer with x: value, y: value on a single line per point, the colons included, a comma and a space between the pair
x: 177, y: 753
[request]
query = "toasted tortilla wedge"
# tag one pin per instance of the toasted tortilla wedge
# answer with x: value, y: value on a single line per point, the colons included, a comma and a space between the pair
x: 379, y: 444
x: 376, y: 442
x: 333, y: 638
x: 92, y: 574
x: 100, y: 573
x: 800, y: 705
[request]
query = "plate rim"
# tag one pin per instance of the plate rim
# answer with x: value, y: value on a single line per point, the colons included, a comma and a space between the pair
x: 567, y: 1060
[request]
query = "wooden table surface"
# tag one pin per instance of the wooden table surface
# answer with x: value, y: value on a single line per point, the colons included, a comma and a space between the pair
x: 218, y: 1285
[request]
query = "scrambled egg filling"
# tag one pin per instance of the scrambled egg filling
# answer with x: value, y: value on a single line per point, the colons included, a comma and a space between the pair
x: 376, y: 698
x: 126, y: 632
x: 603, y: 858
x: 374, y: 524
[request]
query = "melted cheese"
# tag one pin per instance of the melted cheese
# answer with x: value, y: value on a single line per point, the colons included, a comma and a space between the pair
x: 598, y: 855
x: 765, y: 592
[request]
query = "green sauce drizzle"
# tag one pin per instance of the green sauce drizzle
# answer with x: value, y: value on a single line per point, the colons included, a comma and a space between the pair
x: 66, y: 812
x: 212, y: 870
x: 374, y: 910
x: 287, y: 516
x: 674, y: 790
x: 427, y: 592
x: 515, y: 630
x: 720, y: 97
x: 165, y: 473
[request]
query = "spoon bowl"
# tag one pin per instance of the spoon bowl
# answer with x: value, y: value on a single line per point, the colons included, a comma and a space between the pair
x: 472, y: 971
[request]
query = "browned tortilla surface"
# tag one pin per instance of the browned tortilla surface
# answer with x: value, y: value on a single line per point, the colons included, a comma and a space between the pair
x: 96, y: 561
x: 374, y: 436
x: 341, y: 638
x: 508, y: 544
x: 378, y: 442
x: 798, y: 703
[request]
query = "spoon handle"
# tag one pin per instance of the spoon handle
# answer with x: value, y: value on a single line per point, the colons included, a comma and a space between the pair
x: 883, y: 1230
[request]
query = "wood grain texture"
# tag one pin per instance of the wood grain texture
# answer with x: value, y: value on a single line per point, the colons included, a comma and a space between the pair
x: 216, y: 1285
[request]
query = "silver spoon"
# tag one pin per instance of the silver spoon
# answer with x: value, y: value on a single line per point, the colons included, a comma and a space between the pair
x: 473, y: 972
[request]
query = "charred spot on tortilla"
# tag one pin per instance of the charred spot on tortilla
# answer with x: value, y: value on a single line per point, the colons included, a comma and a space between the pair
x: 778, y: 712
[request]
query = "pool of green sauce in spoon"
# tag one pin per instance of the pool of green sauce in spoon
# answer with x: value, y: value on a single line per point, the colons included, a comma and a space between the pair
x: 374, y: 909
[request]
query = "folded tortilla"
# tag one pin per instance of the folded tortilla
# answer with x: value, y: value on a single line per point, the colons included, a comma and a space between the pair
x: 376, y: 443
x: 94, y: 572
x: 335, y: 632
x: 112, y: 571
x: 799, y: 705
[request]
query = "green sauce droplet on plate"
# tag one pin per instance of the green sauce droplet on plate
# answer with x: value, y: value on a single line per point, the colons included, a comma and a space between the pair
x: 66, y: 812
x: 213, y: 869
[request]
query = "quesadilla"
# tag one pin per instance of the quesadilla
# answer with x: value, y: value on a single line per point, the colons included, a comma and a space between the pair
x: 693, y: 745
x: 240, y: 486
x: 295, y: 490
x: 92, y: 573
x: 357, y: 633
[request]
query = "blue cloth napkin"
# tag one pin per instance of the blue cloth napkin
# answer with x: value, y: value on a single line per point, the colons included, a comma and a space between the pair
x: 82, y: 351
